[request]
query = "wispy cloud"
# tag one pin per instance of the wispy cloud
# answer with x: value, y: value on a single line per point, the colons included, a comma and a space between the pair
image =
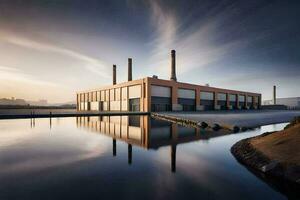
x: 195, y: 44
x: 14, y: 74
x: 91, y: 64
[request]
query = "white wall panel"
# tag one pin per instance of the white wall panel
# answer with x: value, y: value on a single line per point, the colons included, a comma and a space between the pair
x: 124, y: 105
x: 95, y: 105
x: 160, y: 91
x: 207, y: 95
x: 242, y: 98
x: 135, y: 91
x: 105, y: 106
x: 81, y: 106
x: 115, y: 105
x: 232, y: 97
x: 221, y: 97
x: 187, y: 94
x: 124, y: 93
x: 250, y: 99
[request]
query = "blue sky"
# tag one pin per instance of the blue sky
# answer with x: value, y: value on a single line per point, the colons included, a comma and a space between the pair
x: 51, y: 49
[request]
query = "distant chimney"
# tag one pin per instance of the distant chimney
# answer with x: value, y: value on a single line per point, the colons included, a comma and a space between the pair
x: 129, y: 69
x: 173, y: 66
x: 114, y: 74
x: 274, y: 94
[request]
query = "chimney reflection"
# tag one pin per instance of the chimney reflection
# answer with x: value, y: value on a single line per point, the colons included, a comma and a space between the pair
x: 129, y: 154
x: 144, y: 132
x: 173, y: 158
x: 114, y: 147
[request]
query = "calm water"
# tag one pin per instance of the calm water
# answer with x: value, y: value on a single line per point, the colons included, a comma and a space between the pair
x: 79, y: 158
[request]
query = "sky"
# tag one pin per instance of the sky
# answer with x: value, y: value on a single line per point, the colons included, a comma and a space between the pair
x: 49, y: 49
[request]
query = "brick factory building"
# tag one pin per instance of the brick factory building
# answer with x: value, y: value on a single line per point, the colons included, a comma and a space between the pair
x: 153, y: 94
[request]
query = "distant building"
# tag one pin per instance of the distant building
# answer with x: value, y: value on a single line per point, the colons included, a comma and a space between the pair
x: 153, y: 94
x: 13, y: 101
x: 41, y: 102
x: 291, y: 102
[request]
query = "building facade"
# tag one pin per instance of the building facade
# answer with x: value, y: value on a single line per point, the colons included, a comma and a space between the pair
x: 151, y: 94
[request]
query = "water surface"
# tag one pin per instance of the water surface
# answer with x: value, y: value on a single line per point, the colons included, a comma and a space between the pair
x: 123, y: 157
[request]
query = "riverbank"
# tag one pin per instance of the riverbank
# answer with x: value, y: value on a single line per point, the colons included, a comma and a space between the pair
x: 276, y: 154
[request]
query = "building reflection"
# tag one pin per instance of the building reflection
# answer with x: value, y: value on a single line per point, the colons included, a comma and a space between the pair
x: 144, y: 132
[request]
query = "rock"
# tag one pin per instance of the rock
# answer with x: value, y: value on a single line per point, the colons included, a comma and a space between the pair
x: 203, y: 125
x: 269, y: 166
x: 236, y: 129
x: 216, y: 127
x: 244, y: 128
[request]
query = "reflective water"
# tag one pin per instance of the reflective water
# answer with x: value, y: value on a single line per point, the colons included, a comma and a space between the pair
x: 125, y: 158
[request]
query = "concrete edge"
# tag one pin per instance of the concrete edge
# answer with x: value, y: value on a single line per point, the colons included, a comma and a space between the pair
x: 78, y: 114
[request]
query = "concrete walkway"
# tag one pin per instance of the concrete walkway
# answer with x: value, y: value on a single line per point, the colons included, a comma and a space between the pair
x: 245, y: 118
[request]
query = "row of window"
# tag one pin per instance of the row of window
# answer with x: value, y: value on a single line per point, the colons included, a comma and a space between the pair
x: 165, y: 92
x: 114, y: 94
x: 223, y: 97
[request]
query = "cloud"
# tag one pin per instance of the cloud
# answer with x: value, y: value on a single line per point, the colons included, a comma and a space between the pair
x: 91, y: 64
x: 196, y: 44
x: 14, y: 74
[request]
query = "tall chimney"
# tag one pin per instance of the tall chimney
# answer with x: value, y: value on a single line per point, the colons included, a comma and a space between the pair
x: 274, y: 94
x: 173, y: 66
x: 129, y: 69
x: 114, y: 74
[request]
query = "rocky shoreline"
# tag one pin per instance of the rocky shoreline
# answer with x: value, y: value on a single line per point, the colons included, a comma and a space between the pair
x: 245, y: 152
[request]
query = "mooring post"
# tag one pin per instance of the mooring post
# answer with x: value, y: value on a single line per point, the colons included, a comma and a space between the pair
x: 50, y: 118
x: 33, y: 118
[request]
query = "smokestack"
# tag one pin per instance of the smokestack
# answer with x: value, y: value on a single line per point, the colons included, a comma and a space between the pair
x: 173, y: 66
x: 129, y: 69
x: 274, y: 94
x: 114, y: 74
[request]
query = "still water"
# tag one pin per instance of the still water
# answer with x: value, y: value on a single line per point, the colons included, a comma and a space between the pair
x: 123, y: 158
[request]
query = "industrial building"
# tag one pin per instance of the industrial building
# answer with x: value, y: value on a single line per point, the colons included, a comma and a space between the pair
x: 152, y: 94
x: 290, y: 102
x: 281, y: 103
